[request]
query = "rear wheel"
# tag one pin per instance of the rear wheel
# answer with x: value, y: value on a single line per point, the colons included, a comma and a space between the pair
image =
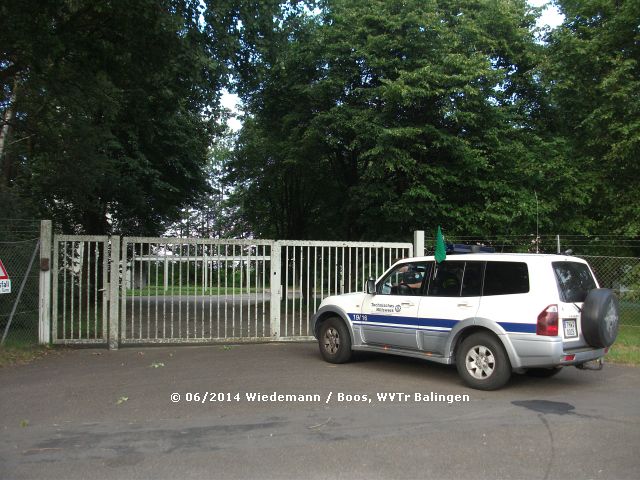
x: 482, y: 362
x: 334, y: 341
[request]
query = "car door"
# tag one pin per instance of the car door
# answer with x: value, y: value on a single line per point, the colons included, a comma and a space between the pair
x: 390, y: 316
x: 453, y: 295
x: 506, y: 299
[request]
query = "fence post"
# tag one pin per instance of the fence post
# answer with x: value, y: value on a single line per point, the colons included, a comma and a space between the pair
x: 276, y: 290
x: 44, y: 304
x: 558, y: 241
x: 418, y: 243
x: 114, y: 291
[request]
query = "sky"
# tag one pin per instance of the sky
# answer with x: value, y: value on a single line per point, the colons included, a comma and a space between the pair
x: 231, y: 102
x: 550, y: 17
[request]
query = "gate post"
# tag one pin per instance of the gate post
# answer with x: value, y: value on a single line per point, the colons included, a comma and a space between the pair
x: 114, y: 290
x: 418, y: 243
x: 276, y: 290
x: 44, y: 307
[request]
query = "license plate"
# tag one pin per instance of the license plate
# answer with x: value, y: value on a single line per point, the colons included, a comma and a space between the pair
x: 570, y: 329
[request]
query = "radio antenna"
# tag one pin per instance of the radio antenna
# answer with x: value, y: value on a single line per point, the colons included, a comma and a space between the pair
x: 537, y: 223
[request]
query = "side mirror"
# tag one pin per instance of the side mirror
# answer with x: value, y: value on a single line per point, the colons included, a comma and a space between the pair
x: 371, y: 286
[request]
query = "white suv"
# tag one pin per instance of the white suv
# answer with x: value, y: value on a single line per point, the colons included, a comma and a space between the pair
x: 490, y: 314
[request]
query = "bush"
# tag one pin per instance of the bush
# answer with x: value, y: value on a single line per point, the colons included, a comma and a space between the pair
x: 630, y: 285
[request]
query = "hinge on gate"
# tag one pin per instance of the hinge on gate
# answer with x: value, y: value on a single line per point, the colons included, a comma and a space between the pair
x: 105, y: 292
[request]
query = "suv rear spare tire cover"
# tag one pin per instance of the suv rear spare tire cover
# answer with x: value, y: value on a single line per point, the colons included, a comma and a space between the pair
x: 600, y: 317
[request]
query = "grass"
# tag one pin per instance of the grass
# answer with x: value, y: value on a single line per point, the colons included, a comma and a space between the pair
x: 19, y: 353
x: 186, y: 290
x: 21, y: 345
x: 629, y: 313
x: 626, y: 349
x: 152, y: 291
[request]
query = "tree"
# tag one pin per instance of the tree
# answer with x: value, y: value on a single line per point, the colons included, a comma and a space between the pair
x: 109, y: 110
x: 378, y: 118
x: 215, y: 216
x: 594, y: 66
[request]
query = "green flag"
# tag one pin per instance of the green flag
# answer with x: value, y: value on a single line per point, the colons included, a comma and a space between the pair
x: 441, y: 249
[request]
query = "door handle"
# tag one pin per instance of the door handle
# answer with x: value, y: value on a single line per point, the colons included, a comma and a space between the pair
x: 407, y: 304
x: 465, y: 305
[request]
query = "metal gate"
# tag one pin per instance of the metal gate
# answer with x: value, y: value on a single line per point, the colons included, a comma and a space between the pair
x: 177, y: 290
x: 80, y: 289
x: 313, y: 270
x: 188, y: 290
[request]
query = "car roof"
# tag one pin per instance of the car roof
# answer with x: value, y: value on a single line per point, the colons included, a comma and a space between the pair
x: 503, y: 257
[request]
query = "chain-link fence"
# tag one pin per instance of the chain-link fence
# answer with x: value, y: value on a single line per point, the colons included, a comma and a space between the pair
x: 621, y: 274
x: 591, y: 245
x: 19, y: 253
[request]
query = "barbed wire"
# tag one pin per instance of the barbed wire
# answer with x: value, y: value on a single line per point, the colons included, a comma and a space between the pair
x: 20, y: 241
x: 33, y: 220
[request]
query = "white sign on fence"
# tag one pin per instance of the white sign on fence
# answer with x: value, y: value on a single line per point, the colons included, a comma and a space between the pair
x: 5, y: 282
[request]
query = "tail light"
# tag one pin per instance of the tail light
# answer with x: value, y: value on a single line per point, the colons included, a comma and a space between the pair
x: 548, y: 321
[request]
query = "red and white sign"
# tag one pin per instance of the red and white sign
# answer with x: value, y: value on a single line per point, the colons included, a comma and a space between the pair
x: 5, y: 281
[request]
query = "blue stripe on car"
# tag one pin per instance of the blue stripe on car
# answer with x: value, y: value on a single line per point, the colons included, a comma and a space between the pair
x: 385, y: 325
x: 518, y: 327
x: 416, y: 322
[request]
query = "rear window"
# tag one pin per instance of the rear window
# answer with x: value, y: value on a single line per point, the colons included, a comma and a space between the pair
x: 506, y: 278
x: 574, y: 281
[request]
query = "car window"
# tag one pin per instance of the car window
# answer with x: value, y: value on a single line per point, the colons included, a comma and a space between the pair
x: 447, y: 280
x: 574, y: 281
x: 472, y: 281
x: 405, y: 279
x: 506, y: 278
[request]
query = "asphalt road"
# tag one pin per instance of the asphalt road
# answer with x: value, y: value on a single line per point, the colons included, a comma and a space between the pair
x: 65, y: 417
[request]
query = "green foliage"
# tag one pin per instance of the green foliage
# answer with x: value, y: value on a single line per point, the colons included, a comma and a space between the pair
x: 214, y: 216
x: 594, y: 63
x: 363, y: 118
x: 106, y: 104
x: 380, y: 117
x: 631, y: 283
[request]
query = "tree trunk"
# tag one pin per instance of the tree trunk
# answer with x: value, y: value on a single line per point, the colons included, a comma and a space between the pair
x: 7, y: 120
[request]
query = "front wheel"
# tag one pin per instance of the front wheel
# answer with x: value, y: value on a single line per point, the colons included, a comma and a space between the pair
x: 482, y: 362
x: 334, y: 341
